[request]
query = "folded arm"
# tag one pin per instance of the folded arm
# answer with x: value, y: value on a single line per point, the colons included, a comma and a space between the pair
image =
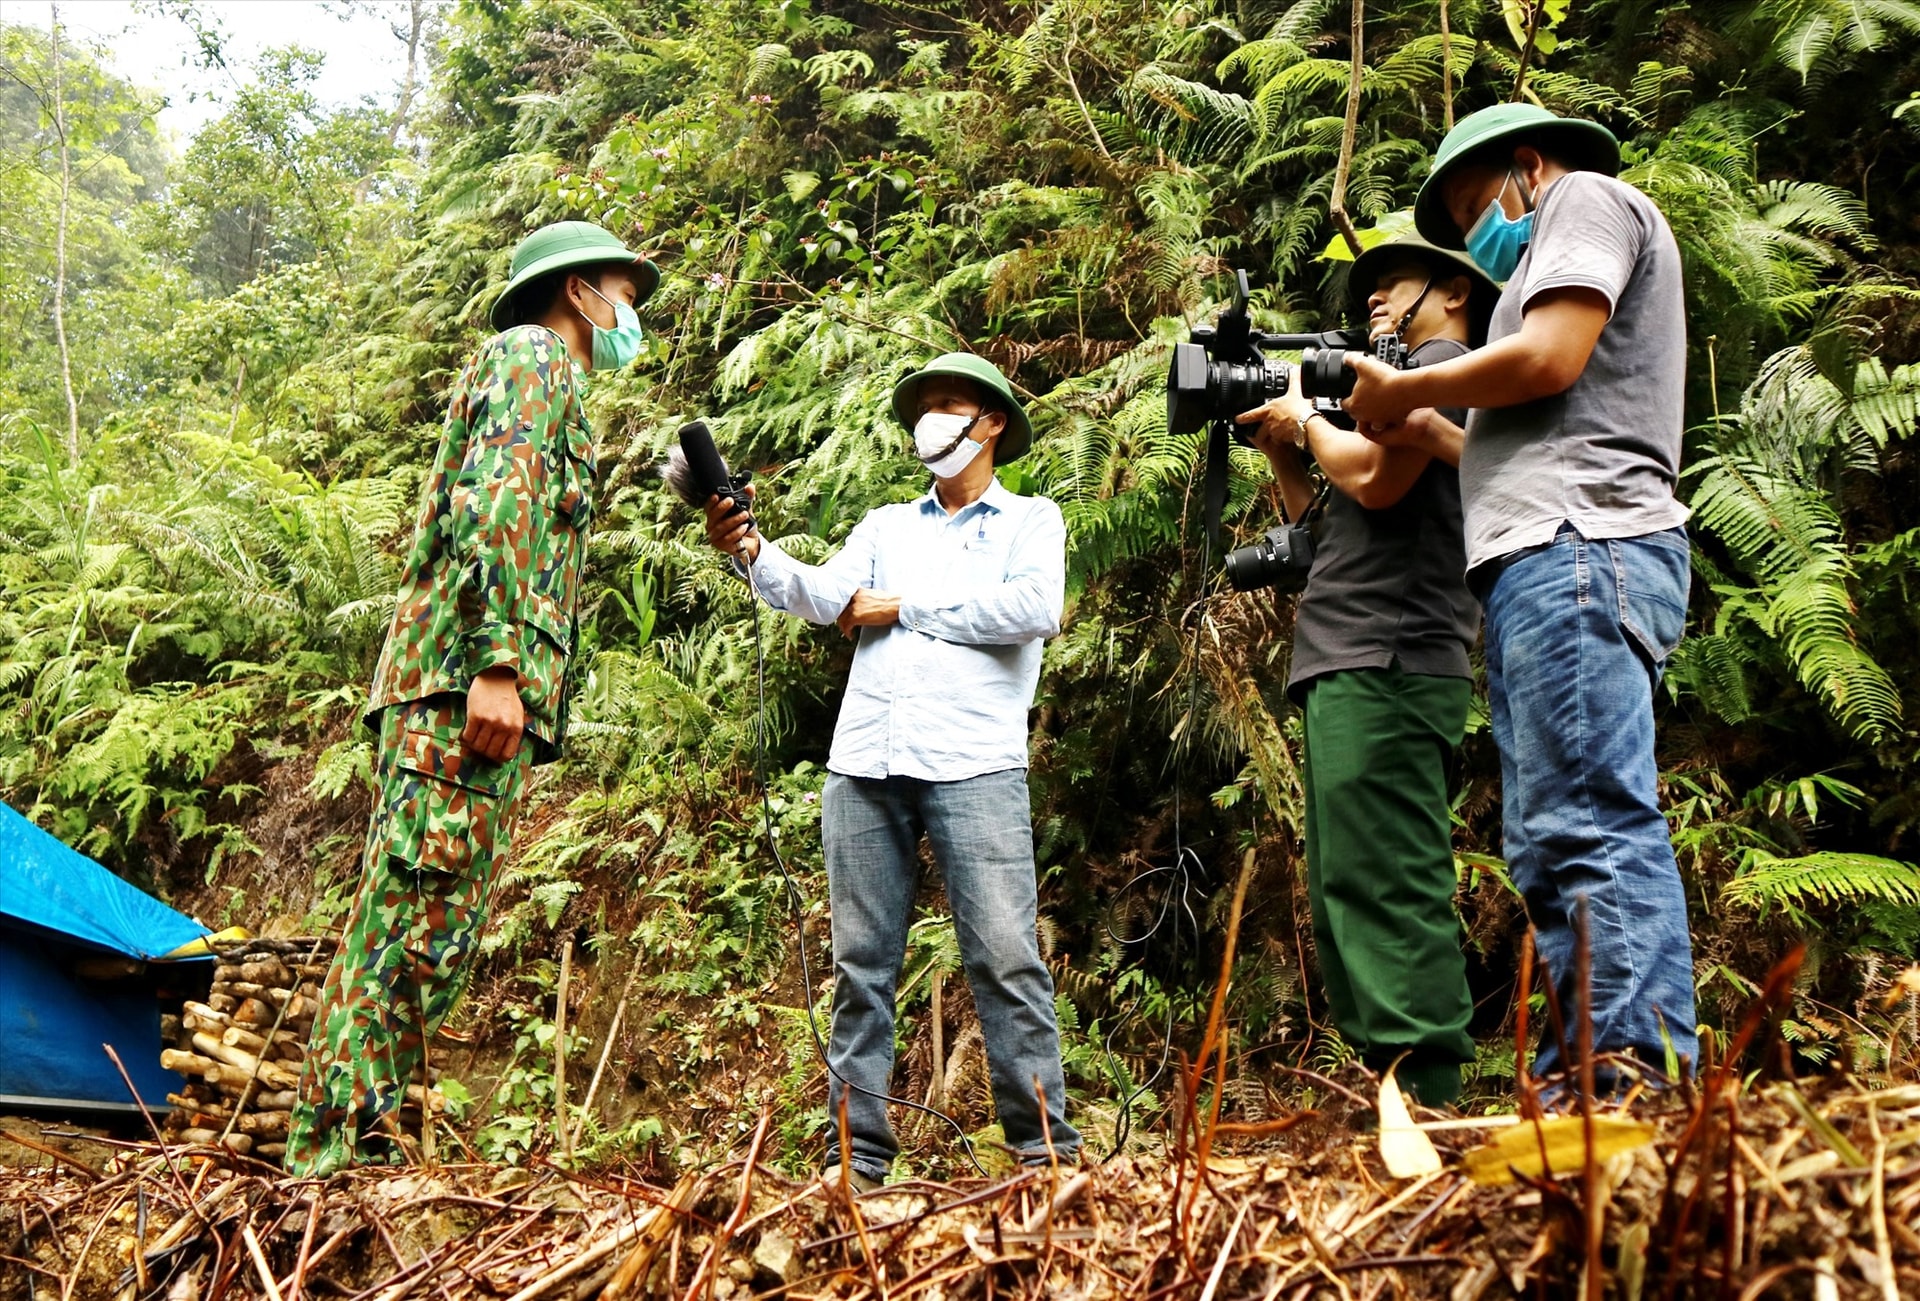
x: 1372, y: 474
x: 1025, y: 606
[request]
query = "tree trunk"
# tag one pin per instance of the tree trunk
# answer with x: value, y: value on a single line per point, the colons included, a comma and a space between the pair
x: 416, y: 23
x: 1337, y: 202
x: 60, y: 244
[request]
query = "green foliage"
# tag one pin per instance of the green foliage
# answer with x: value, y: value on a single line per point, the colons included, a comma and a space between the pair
x: 1815, y: 36
x: 1769, y: 492
x: 519, y: 1112
x: 1822, y: 878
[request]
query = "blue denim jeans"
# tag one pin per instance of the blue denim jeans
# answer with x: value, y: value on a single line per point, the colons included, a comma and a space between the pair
x: 981, y: 830
x: 1578, y: 632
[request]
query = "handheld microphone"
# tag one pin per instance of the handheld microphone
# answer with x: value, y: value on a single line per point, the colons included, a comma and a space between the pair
x: 696, y: 471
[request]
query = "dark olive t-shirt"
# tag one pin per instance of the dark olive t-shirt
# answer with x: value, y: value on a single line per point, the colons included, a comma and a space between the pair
x: 1390, y: 585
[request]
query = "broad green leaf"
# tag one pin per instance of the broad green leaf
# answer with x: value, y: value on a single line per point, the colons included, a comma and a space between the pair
x: 1391, y: 226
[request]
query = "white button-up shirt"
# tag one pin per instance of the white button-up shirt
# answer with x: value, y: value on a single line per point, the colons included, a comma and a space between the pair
x: 943, y: 694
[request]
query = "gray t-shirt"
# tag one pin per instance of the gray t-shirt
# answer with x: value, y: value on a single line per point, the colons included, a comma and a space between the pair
x: 1389, y: 585
x: 1603, y: 455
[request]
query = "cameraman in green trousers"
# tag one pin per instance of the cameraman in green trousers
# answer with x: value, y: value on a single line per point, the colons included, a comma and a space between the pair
x: 1380, y: 669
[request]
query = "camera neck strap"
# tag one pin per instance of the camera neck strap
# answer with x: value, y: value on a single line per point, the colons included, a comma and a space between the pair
x: 1406, y: 317
x: 1319, y: 504
x: 1315, y: 508
x: 1219, y: 443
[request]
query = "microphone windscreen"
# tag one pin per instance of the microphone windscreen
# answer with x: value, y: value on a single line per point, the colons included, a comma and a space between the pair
x: 679, y: 477
x: 695, y: 470
x: 704, y: 460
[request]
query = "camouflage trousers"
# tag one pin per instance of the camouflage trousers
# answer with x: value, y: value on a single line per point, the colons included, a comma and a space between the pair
x: 441, y: 823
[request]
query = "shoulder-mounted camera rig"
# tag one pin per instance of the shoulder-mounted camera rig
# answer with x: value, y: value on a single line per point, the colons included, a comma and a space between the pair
x: 1224, y: 371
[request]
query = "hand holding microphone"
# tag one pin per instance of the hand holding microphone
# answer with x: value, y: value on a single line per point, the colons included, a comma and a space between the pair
x: 730, y: 525
x: 698, y: 474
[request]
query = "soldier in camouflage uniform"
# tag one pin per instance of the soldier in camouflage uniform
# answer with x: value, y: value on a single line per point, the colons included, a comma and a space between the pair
x: 472, y: 685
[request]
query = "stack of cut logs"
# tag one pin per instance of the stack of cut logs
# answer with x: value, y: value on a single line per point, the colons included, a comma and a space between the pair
x: 241, y: 1050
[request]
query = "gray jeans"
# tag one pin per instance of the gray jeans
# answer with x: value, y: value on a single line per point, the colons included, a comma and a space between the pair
x: 981, y: 830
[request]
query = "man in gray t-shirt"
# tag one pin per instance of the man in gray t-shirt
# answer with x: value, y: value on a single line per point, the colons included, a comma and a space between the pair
x: 1575, y: 544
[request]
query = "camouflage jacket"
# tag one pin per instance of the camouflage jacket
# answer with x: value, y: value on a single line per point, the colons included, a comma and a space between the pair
x: 493, y: 575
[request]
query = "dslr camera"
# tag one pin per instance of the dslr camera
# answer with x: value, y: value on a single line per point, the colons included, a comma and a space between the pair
x: 1281, y: 559
x: 1223, y: 371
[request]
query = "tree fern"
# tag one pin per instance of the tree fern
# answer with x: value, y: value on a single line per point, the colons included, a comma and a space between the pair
x: 764, y: 65
x: 1189, y: 119
x: 1037, y: 47
x: 1790, y: 538
x: 1302, y: 22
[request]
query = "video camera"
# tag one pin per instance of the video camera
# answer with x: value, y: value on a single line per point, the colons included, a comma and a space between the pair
x: 1224, y: 370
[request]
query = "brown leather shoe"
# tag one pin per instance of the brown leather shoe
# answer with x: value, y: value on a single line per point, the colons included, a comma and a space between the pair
x: 855, y: 1181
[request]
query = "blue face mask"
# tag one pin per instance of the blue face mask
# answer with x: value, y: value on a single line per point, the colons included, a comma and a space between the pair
x: 615, y: 349
x: 1496, y: 241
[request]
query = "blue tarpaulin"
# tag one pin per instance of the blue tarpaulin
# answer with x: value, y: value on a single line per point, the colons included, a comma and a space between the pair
x: 46, y: 884
x: 60, y: 914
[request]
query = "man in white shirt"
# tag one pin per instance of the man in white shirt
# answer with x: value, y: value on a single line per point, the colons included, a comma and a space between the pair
x: 951, y: 597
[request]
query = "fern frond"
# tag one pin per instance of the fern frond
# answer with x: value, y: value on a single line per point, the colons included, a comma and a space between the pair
x: 764, y: 64
x: 1766, y: 880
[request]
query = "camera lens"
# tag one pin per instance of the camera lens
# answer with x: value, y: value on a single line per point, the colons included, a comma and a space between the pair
x: 1242, y: 387
x: 1187, y: 381
x: 1281, y: 559
x: 1200, y: 389
x: 1324, y: 373
x: 1248, y: 567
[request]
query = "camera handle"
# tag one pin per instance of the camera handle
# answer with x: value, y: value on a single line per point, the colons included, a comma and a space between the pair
x: 1220, y: 434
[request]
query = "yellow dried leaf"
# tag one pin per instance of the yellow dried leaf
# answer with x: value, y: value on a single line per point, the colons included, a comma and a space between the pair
x: 1231, y: 1165
x: 1405, y: 1150
x: 1565, y: 1140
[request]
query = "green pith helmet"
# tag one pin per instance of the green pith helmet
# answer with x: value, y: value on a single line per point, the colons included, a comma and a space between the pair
x: 1585, y: 146
x: 1445, y: 263
x: 1018, y: 435
x: 563, y: 244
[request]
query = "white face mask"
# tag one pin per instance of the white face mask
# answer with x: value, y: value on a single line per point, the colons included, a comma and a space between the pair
x: 942, y: 444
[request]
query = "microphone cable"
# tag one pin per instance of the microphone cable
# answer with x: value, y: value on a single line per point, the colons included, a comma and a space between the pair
x: 1186, y: 863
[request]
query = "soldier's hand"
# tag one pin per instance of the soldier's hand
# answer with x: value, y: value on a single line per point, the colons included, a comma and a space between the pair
x: 1412, y: 430
x: 1375, y: 399
x: 731, y: 531
x: 496, y: 720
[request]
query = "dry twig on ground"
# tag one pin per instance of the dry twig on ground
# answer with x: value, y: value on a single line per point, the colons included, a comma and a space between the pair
x: 1777, y: 1188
